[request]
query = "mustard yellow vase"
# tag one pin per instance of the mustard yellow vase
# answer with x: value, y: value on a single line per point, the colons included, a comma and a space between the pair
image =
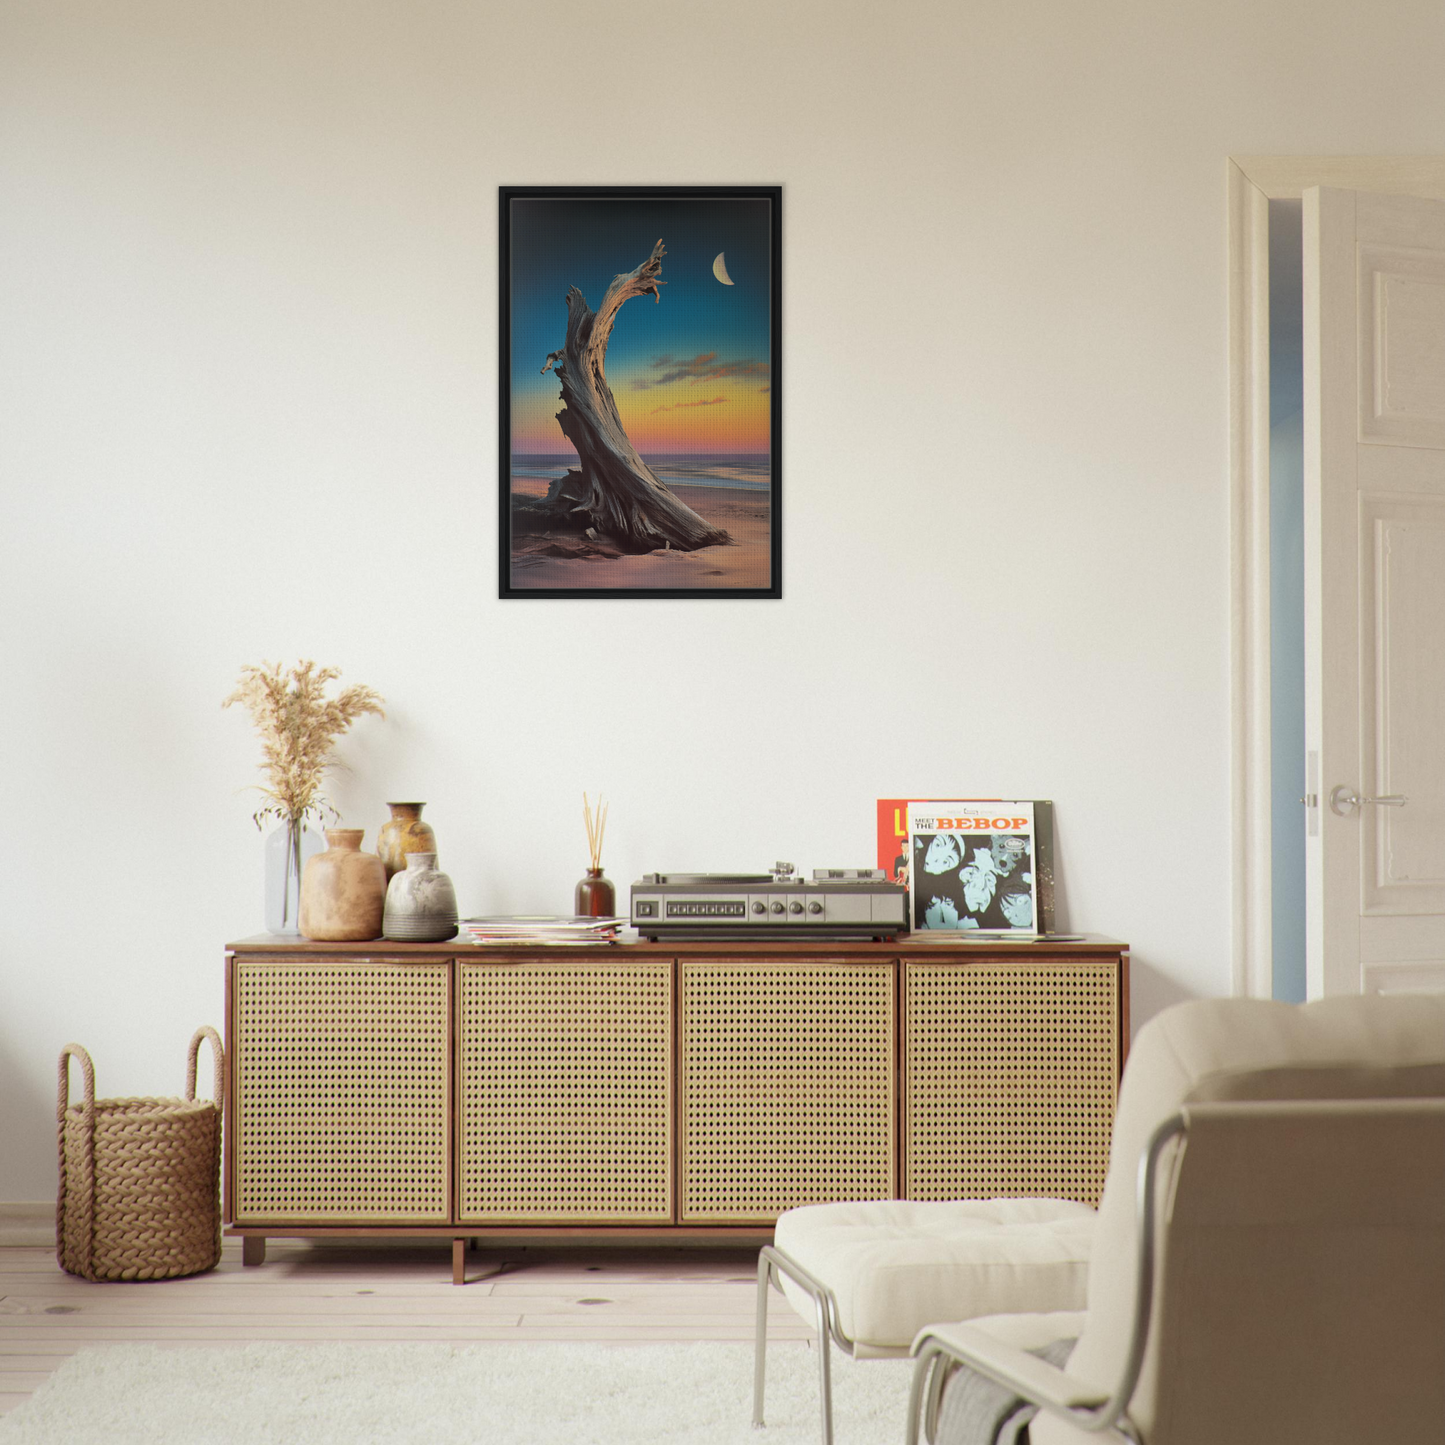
x: 403, y: 833
x: 343, y: 890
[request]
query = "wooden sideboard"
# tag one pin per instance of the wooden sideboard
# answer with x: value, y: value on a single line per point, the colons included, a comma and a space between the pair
x: 657, y: 1091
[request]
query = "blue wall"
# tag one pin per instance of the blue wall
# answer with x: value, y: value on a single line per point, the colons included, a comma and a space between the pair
x: 1286, y: 597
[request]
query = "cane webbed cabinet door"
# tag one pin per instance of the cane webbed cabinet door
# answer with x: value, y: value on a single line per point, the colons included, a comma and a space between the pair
x: 1011, y: 1072
x: 787, y: 1077
x: 342, y: 1082
x: 565, y: 1075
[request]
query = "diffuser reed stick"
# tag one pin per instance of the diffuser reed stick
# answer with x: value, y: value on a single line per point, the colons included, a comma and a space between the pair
x: 596, y: 826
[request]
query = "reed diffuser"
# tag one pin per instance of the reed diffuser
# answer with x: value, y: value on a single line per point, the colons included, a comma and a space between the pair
x: 595, y: 896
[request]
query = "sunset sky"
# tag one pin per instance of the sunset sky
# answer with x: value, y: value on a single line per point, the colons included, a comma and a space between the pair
x: 690, y: 374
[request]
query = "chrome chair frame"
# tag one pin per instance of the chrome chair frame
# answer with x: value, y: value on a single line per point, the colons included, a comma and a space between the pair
x: 771, y: 1264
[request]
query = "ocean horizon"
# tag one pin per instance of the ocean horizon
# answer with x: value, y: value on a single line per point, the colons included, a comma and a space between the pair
x: 742, y: 471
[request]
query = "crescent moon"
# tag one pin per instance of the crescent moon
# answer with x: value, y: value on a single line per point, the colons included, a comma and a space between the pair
x: 720, y: 270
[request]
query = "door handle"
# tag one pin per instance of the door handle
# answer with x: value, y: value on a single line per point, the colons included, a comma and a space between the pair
x: 1344, y: 800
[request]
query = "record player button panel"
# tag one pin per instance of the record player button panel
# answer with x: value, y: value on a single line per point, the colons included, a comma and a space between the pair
x: 705, y: 908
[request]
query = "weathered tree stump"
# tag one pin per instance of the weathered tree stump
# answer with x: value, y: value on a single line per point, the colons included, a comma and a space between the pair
x: 615, y: 493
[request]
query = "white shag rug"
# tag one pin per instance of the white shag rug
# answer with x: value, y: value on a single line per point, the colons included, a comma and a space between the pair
x: 476, y: 1394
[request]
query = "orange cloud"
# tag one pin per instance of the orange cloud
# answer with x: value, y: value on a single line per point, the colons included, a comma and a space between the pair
x: 705, y: 367
x: 677, y: 406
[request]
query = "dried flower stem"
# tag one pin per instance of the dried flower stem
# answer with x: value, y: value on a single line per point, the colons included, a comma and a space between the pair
x: 596, y: 827
x: 298, y: 725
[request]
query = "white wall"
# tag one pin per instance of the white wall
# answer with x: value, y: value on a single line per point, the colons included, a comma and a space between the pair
x: 248, y: 290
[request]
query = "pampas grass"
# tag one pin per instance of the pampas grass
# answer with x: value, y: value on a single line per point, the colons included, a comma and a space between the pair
x: 298, y: 726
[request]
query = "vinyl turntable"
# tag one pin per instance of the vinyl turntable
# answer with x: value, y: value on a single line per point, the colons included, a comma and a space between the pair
x: 835, y: 903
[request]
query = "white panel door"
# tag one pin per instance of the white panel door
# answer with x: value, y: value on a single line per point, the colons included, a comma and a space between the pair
x: 1374, y: 277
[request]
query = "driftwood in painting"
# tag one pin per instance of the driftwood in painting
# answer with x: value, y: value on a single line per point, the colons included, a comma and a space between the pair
x: 615, y: 499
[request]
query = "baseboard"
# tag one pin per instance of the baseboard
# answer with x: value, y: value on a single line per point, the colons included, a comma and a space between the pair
x: 29, y: 1223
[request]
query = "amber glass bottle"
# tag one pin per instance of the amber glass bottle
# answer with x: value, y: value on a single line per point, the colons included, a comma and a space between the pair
x: 595, y: 896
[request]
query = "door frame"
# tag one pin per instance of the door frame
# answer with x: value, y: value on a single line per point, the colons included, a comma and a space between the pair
x: 1254, y: 181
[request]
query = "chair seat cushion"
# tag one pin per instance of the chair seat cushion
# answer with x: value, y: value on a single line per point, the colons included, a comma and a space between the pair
x: 897, y: 1265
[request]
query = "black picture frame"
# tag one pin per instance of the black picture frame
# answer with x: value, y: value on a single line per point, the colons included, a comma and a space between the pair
x: 695, y: 383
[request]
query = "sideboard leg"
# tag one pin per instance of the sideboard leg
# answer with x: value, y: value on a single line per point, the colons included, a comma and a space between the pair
x: 253, y: 1249
x: 459, y: 1261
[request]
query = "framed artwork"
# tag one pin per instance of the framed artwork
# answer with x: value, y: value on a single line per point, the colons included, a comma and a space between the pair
x: 640, y: 415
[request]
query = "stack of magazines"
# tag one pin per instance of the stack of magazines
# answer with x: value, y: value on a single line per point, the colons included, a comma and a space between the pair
x: 530, y: 928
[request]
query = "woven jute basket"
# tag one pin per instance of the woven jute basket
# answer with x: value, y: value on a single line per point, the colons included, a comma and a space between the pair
x: 139, y: 1178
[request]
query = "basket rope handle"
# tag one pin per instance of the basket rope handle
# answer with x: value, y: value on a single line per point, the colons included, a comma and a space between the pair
x: 84, y: 1187
x: 87, y: 1070
x: 218, y: 1056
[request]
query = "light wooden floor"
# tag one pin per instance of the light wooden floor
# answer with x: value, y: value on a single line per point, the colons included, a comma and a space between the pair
x: 381, y: 1292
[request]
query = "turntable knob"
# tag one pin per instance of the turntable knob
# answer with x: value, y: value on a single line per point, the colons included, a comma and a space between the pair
x: 815, y: 907
x: 759, y: 906
x: 777, y: 908
x: 795, y: 907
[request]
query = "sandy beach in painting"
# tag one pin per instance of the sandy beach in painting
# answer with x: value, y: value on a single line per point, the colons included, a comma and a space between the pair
x: 553, y: 561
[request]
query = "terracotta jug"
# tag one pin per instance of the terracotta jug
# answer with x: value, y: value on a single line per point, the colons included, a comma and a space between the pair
x: 403, y: 833
x: 343, y: 890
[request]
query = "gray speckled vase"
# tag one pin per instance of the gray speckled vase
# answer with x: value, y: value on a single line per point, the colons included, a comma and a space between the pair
x: 421, y: 904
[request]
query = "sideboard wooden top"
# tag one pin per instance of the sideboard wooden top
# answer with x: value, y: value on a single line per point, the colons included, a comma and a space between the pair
x: 913, y: 945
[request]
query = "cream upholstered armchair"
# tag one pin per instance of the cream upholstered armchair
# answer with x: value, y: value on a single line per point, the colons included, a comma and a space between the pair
x: 870, y: 1275
x: 1269, y: 1260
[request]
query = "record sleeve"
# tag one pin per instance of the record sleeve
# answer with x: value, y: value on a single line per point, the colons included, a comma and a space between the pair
x: 1010, y: 887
